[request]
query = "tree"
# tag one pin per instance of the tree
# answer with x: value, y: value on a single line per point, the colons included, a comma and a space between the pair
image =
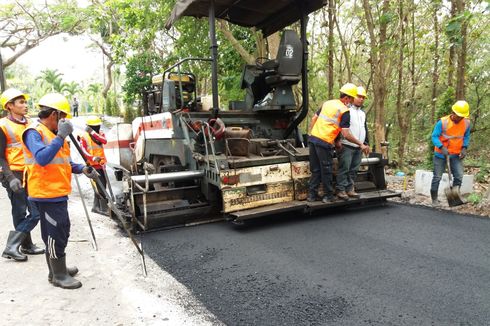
x: 26, y: 24
x: 52, y: 80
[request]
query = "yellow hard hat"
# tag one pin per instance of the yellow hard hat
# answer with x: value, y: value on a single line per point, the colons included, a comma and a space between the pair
x: 93, y: 121
x: 461, y: 108
x: 361, y: 91
x: 56, y: 101
x: 349, y: 89
x: 10, y: 94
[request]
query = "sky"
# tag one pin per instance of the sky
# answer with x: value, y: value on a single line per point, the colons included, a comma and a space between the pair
x: 70, y: 55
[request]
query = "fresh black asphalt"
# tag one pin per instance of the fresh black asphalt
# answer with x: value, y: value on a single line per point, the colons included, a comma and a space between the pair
x: 385, y: 265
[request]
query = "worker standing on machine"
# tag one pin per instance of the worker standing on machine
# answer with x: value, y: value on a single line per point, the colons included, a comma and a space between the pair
x: 92, y: 142
x: 24, y: 215
x: 49, y: 168
x: 327, y: 124
x: 451, y: 138
x: 350, y: 154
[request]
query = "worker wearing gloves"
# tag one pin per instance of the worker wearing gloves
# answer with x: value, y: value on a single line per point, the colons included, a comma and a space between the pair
x: 350, y: 153
x: 49, y: 168
x: 92, y: 142
x: 24, y: 216
x: 327, y: 124
x: 451, y: 138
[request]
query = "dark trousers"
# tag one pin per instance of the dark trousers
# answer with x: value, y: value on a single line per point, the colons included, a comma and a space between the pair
x: 24, y: 215
x: 321, y: 168
x: 439, y: 168
x: 55, y: 226
x: 349, y: 163
x: 101, y: 174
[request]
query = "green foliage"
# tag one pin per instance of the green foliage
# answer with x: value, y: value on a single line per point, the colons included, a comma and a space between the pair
x: 483, y: 174
x: 475, y: 198
x: 139, y: 71
x: 445, y: 102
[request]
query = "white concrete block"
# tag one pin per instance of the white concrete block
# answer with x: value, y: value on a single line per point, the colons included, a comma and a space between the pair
x: 423, y: 179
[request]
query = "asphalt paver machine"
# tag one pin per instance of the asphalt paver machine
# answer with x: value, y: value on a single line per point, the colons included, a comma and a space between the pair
x: 182, y: 163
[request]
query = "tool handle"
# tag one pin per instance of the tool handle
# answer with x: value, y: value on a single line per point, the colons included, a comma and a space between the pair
x: 449, y: 171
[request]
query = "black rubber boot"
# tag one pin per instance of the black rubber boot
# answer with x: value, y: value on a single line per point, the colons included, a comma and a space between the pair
x: 104, y: 208
x: 13, y: 243
x: 61, y: 278
x: 27, y: 247
x: 433, y: 196
x: 96, y: 205
x: 72, y: 271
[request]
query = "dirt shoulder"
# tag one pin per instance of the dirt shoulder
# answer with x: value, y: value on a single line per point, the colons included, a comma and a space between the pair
x: 406, y: 186
x: 114, y: 290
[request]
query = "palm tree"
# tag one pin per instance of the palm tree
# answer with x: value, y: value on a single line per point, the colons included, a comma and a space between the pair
x: 94, y: 96
x: 72, y: 88
x: 52, y: 79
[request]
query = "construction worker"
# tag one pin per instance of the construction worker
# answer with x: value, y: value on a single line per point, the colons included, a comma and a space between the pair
x: 49, y: 168
x: 328, y: 123
x: 349, y: 153
x: 24, y: 216
x: 92, y: 142
x: 451, y: 138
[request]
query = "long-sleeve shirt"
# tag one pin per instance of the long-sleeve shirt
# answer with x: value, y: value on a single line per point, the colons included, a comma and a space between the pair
x: 436, y: 133
x: 100, y: 137
x: 43, y: 154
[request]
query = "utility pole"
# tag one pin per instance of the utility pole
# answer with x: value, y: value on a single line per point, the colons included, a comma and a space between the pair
x: 2, y: 75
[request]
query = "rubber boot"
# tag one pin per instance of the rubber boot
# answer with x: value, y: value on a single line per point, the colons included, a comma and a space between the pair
x: 61, y: 278
x: 433, y: 196
x: 96, y: 205
x: 104, y: 209
x: 27, y: 247
x: 13, y: 243
x: 70, y: 270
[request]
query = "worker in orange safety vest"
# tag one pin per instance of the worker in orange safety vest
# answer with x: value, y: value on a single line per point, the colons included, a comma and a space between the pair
x: 25, y: 216
x: 49, y: 168
x: 451, y: 138
x: 92, y: 142
x: 327, y: 124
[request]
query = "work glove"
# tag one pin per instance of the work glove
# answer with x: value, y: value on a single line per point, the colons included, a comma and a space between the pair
x: 88, y: 129
x: 15, y: 185
x: 90, y: 172
x: 64, y: 128
x: 97, y: 159
x: 462, y: 155
x: 444, y: 151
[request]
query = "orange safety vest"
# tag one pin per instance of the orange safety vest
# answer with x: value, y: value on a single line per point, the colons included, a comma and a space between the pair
x: 327, y: 126
x: 94, y: 149
x: 54, y: 179
x: 13, y: 134
x: 452, y: 134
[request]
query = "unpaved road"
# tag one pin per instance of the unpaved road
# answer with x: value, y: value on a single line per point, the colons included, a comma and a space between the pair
x: 390, y: 265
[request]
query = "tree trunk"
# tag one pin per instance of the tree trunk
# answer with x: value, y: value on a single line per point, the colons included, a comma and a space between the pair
x: 225, y: 29
x: 435, y: 70
x: 399, y: 110
x: 273, y: 44
x: 452, y: 52
x: 3, y: 84
x: 108, y: 81
x: 461, y: 53
x: 378, y: 67
x: 331, y: 9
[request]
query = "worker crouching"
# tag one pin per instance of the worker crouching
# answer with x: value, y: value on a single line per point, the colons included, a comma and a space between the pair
x: 92, y: 142
x: 48, y: 170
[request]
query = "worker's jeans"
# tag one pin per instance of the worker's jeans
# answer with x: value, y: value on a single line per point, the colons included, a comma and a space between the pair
x: 321, y: 167
x: 24, y: 215
x: 440, y: 167
x: 349, y: 162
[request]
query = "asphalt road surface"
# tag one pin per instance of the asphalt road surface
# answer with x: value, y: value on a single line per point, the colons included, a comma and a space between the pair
x: 387, y: 265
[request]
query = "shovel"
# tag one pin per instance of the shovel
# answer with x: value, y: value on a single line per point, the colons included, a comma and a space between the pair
x: 452, y: 194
